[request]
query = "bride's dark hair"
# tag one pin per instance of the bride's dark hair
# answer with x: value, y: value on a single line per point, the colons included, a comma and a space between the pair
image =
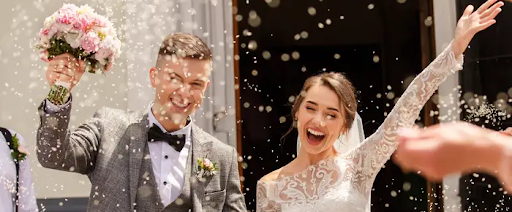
x: 338, y: 83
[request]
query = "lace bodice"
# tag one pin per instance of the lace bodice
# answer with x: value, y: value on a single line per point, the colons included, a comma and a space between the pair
x: 344, y: 183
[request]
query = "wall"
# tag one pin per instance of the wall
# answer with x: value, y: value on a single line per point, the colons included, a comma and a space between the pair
x: 445, y: 20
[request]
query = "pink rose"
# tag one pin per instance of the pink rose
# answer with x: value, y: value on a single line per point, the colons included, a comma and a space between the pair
x: 207, y: 163
x: 78, y: 26
x: 22, y: 149
x: 83, y: 23
x: 90, y: 42
x: 44, y: 32
x: 67, y: 16
x: 66, y: 19
x: 100, y: 21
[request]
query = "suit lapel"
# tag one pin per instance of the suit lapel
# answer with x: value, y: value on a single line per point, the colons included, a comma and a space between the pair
x: 188, y: 173
x: 138, y: 138
x: 200, y: 149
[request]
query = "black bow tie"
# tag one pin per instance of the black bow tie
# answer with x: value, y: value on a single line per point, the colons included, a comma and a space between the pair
x: 176, y: 141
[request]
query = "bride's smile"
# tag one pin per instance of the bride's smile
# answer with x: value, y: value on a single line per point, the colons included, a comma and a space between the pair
x: 315, y: 137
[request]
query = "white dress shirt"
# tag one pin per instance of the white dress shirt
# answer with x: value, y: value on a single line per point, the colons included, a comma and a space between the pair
x: 168, y: 164
x: 27, y: 199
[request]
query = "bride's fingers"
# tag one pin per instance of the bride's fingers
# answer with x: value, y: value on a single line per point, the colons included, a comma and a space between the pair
x: 491, y: 16
x: 469, y: 9
x: 485, y: 6
x: 486, y: 25
x: 492, y: 11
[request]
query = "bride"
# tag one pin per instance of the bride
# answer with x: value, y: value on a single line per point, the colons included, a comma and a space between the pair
x: 320, y: 178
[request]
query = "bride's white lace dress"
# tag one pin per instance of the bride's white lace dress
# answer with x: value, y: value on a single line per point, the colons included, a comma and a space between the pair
x: 344, y: 183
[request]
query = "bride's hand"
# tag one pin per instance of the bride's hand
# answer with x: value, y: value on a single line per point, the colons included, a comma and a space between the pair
x: 473, y: 22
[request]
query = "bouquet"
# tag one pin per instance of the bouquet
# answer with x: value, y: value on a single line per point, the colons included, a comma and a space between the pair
x: 83, y: 33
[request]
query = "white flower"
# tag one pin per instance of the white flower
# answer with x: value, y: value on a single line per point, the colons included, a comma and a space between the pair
x: 74, y: 38
x: 48, y: 22
x: 107, y: 42
x: 86, y: 9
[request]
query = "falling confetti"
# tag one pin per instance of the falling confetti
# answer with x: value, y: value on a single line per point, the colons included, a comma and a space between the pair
x: 486, y: 112
x: 285, y: 57
x: 312, y: 11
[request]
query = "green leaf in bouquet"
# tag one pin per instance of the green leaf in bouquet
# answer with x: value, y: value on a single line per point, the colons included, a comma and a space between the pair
x: 58, y: 47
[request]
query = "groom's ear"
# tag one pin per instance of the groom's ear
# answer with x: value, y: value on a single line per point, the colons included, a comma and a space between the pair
x: 153, y: 76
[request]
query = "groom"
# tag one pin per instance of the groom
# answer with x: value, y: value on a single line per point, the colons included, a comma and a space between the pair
x: 151, y: 160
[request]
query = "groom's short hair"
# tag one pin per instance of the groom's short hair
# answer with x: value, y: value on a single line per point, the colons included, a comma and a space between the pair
x: 185, y: 45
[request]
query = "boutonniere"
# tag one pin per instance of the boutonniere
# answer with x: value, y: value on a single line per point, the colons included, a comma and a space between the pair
x: 206, y: 167
x: 18, y: 153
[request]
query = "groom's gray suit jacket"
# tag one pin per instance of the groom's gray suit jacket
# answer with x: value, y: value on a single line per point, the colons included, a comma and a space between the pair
x: 111, y: 149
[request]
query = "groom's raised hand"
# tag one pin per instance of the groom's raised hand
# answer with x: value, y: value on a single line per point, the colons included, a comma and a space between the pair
x: 65, y: 68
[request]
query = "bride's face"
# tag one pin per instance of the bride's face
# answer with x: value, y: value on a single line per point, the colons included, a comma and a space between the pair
x: 319, y: 119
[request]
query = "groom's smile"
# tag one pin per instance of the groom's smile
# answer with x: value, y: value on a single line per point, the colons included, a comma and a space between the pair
x: 180, y: 105
x: 180, y: 84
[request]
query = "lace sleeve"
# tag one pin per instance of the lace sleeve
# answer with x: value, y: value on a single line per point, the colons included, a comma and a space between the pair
x: 373, y: 153
x: 263, y: 202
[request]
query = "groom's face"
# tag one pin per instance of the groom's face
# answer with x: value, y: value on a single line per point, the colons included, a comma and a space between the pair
x: 180, y: 84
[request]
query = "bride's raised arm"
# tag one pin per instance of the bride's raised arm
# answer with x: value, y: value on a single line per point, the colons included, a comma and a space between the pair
x: 378, y: 148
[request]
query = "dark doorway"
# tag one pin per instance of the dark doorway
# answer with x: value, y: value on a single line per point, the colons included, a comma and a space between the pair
x: 487, y: 76
x: 376, y: 43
